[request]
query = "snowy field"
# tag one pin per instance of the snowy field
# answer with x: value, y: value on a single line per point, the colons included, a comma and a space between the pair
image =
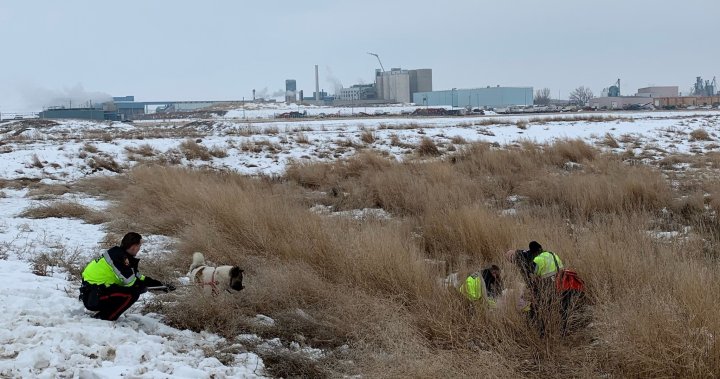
x: 44, y: 330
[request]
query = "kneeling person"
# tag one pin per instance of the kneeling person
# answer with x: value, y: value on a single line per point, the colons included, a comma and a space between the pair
x: 485, y: 285
x: 112, y: 282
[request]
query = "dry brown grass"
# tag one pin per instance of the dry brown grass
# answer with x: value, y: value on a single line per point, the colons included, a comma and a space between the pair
x: 101, y: 162
x: 193, y: 150
x: 700, y: 135
x: 458, y: 140
x: 329, y: 282
x: 90, y: 148
x: 367, y: 137
x: 610, y: 141
x: 144, y: 150
x: 65, y: 209
x: 302, y: 138
x: 427, y: 147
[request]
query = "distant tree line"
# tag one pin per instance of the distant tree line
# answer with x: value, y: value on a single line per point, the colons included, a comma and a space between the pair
x: 579, y: 96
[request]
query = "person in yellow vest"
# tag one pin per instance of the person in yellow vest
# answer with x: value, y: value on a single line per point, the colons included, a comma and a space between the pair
x: 112, y: 282
x: 484, y: 285
x: 538, y: 268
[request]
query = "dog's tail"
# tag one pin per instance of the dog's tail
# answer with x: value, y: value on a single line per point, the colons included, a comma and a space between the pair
x: 198, y: 260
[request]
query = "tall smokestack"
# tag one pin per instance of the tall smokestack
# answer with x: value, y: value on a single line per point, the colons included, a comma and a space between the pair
x: 317, y: 84
x: 253, y: 95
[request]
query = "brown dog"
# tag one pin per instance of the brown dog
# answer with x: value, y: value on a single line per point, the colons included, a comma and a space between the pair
x: 215, y: 279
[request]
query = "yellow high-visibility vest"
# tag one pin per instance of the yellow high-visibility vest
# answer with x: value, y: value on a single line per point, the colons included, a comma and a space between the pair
x: 474, y: 289
x: 545, y: 264
x: 101, y: 271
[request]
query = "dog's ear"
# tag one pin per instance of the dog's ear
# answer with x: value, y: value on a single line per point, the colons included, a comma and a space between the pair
x: 235, y: 272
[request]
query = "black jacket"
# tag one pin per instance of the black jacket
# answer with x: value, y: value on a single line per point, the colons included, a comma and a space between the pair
x: 128, y: 266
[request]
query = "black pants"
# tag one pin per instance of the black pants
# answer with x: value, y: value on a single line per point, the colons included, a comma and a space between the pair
x: 109, y: 302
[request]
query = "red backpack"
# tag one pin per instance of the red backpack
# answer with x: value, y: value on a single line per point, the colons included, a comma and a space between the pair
x: 567, y: 279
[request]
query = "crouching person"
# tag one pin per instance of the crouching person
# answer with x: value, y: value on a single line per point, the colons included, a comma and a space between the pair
x: 112, y: 282
x: 485, y: 286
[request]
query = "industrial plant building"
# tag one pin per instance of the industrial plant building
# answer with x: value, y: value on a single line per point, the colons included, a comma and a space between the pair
x: 399, y: 86
x: 490, y: 97
x: 645, y: 97
x: 357, y: 92
x: 124, y: 108
x: 290, y: 91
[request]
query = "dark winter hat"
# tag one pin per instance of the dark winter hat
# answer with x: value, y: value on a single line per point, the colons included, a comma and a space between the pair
x: 534, y: 246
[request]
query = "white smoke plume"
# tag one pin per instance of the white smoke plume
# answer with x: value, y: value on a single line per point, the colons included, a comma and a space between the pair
x: 262, y: 94
x: 334, y: 82
x: 74, y: 96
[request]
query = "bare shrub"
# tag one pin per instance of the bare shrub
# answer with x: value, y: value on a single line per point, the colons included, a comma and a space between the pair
x: 144, y: 150
x: 302, y: 139
x: 71, y: 262
x: 610, y: 141
x: 394, y: 140
x: 458, y: 140
x: 271, y: 130
x: 90, y: 148
x: 218, y: 152
x: 573, y: 150
x: 104, y: 162
x: 700, y: 135
x: 269, y: 145
x: 192, y: 150
x: 367, y: 137
x: 427, y: 147
x: 250, y: 145
x: 346, y: 143
x: 521, y: 124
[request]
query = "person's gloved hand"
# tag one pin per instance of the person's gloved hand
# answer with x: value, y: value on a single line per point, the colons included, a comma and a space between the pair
x: 140, y: 287
x: 150, y: 282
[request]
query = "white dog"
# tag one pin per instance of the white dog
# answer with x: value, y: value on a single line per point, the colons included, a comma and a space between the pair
x: 215, y: 279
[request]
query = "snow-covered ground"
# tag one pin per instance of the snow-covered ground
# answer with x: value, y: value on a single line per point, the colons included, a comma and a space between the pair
x: 69, y: 150
x: 44, y: 330
x: 46, y: 333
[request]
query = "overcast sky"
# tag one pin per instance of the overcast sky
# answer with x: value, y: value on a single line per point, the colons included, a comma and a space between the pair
x: 221, y: 50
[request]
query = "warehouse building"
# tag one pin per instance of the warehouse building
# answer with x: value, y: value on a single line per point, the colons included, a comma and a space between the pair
x: 79, y: 113
x: 620, y: 102
x: 659, y: 91
x: 490, y: 97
